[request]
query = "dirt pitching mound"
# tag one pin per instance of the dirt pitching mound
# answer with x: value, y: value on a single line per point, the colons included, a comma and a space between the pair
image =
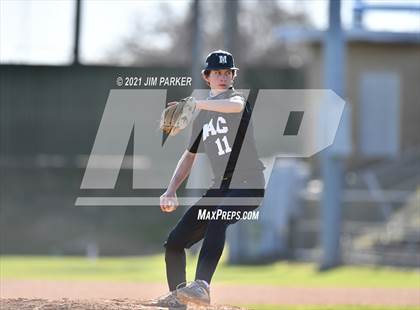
x: 105, y: 304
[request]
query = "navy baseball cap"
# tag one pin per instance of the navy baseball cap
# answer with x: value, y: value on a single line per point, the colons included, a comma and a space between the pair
x: 220, y: 60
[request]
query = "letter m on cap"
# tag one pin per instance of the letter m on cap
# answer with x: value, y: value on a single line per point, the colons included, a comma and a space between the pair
x: 222, y: 59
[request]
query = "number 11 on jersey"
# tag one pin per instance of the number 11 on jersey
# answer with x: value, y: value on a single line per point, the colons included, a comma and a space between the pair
x: 220, y: 147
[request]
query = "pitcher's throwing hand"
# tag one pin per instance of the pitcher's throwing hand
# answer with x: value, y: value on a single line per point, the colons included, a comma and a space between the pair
x: 168, y: 202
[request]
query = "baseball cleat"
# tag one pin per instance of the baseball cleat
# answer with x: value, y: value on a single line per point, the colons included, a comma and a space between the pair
x: 196, y: 292
x: 168, y: 300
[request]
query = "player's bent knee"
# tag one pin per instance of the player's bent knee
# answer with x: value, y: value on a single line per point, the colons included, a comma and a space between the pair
x: 174, y: 243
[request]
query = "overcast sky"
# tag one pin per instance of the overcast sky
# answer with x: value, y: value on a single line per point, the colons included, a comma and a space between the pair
x: 41, y: 31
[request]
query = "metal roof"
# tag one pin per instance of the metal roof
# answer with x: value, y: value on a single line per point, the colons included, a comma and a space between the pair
x: 296, y: 34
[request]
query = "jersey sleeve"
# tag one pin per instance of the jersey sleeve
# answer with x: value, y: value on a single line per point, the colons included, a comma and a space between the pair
x: 195, y: 145
x: 236, y: 93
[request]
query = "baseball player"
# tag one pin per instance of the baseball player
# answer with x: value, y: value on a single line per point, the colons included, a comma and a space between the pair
x: 223, y: 118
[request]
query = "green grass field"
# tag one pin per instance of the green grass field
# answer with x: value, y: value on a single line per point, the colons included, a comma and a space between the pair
x: 152, y: 269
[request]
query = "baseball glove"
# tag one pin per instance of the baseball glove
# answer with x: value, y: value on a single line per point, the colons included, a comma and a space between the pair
x: 177, y: 116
